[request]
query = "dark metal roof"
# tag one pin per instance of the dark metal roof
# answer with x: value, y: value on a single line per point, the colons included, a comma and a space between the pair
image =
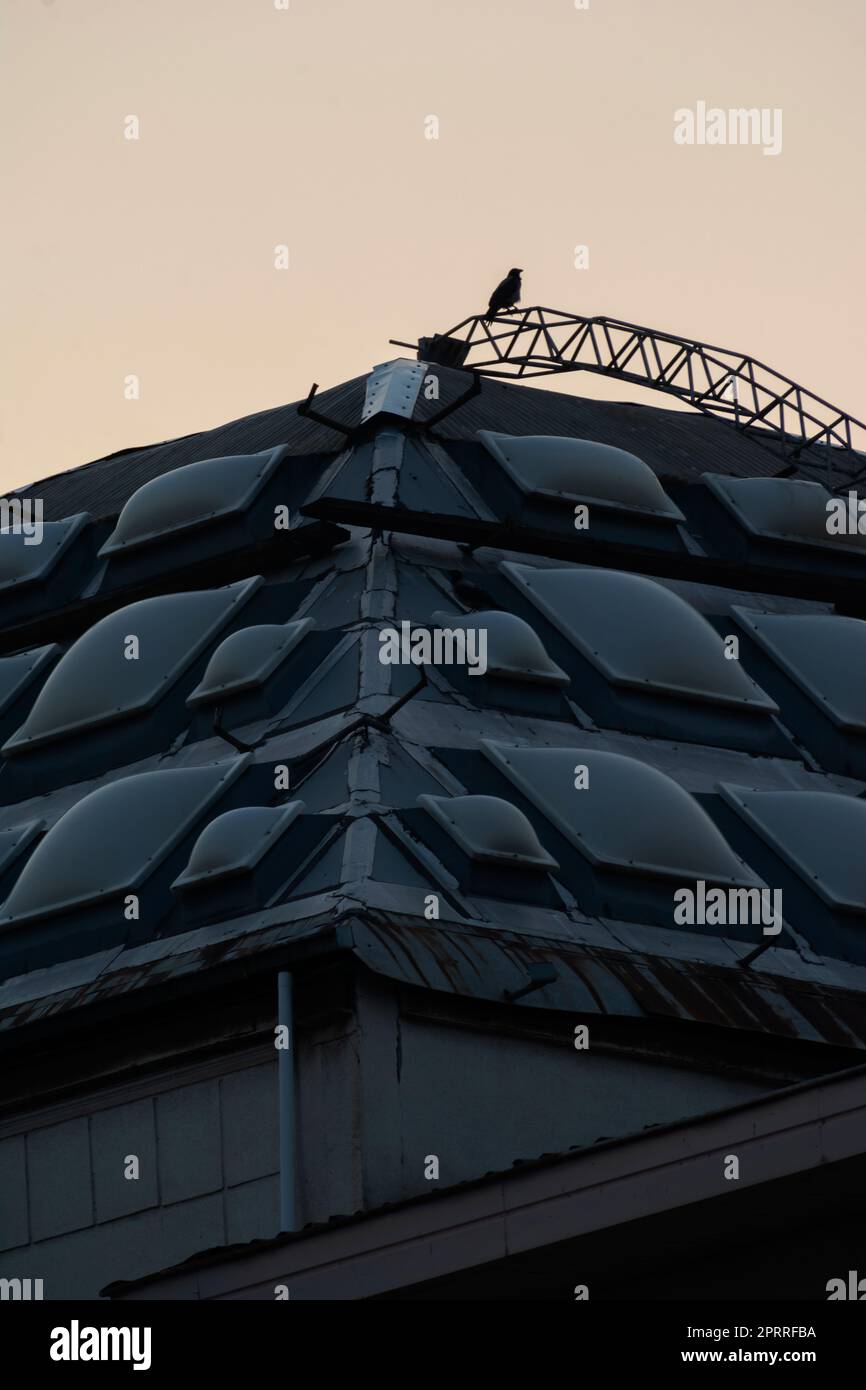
x: 673, y: 442
x: 363, y: 740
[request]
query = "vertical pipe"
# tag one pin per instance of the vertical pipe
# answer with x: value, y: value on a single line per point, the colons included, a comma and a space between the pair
x: 286, y: 1079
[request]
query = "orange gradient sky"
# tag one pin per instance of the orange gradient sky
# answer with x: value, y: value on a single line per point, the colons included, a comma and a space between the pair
x: 306, y: 127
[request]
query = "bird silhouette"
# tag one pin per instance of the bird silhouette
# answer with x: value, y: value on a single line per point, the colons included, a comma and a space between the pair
x: 506, y: 294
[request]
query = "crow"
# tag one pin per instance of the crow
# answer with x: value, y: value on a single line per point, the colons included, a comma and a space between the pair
x: 506, y: 294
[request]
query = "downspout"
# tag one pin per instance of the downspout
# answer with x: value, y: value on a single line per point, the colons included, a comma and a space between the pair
x: 286, y: 1081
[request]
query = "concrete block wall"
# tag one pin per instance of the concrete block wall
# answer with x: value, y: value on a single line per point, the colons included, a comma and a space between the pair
x: 208, y: 1160
x: 379, y: 1091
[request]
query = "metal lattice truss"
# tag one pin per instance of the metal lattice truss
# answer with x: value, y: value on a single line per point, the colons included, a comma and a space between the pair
x: 538, y: 341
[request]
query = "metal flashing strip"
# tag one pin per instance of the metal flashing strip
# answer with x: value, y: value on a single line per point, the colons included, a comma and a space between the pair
x: 392, y: 388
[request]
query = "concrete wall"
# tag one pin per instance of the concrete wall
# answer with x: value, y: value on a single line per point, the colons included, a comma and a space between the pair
x: 479, y: 1102
x: 380, y: 1090
x: 208, y: 1158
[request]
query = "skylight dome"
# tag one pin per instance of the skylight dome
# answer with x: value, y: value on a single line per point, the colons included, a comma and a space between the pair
x: 489, y: 830
x: 785, y: 509
x: 630, y: 816
x: 821, y: 836
x: 95, y: 682
x: 22, y: 562
x: 16, y: 672
x: 234, y: 842
x: 246, y: 658
x: 111, y: 840
x: 191, y: 496
x: 638, y: 633
x: 580, y: 469
x: 823, y: 653
x: 514, y: 650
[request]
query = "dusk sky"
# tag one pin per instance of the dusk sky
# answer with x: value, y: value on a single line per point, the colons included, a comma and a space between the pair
x: 307, y: 127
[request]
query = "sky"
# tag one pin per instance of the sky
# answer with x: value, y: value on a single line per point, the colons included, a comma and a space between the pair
x: 143, y: 291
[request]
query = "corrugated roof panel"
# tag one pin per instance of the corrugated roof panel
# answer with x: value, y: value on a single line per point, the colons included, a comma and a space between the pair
x: 112, y: 839
x: 95, y: 682
x: 821, y: 835
x: 823, y: 653
x: 638, y: 633
x: 190, y: 496
x: 629, y: 815
x: 581, y: 470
